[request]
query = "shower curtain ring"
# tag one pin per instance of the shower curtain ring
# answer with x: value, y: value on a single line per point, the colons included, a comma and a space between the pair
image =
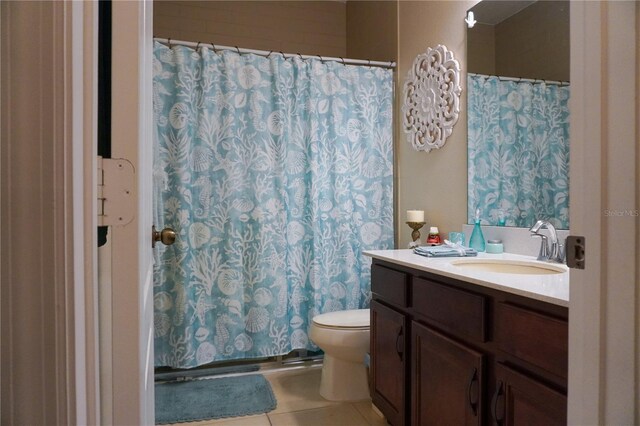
x: 238, y: 49
x: 369, y: 64
x: 213, y: 46
x: 169, y: 42
x: 342, y: 59
x: 197, y: 46
x: 321, y: 59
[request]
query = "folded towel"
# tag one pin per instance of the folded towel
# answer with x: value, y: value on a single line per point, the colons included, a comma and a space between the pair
x: 444, y: 251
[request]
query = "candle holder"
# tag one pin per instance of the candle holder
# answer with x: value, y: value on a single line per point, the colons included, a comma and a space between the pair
x: 415, y: 235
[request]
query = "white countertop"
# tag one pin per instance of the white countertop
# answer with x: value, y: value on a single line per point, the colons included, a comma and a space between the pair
x: 552, y: 288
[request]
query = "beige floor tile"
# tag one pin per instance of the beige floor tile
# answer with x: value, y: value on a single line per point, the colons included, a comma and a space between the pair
x: 259, y: 420
x: 200, y: 423
x: 365, y: 408
x: 297, y: 390
x: 298, y: 395
x: 338, y: 415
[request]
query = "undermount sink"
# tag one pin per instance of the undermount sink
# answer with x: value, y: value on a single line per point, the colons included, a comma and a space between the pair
x: 503, y: 266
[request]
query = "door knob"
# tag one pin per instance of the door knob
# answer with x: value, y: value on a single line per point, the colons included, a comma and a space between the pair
x: 167, y: 236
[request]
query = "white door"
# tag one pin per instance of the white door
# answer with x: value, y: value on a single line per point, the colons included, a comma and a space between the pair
x: 131, y: 392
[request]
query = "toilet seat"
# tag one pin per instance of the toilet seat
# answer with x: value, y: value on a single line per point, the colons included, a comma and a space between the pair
x: 356, y: 319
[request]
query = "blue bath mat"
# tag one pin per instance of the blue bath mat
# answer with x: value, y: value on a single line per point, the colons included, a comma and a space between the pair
x: 194, y: 400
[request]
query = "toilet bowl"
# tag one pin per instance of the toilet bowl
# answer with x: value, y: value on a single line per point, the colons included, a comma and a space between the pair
x: 344, y: 338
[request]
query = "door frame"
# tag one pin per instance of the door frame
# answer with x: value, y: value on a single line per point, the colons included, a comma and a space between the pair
x: 605, y: 173
x: 48, y: 214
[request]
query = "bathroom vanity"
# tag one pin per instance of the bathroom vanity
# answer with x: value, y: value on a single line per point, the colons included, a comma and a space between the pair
x: 468, y: 344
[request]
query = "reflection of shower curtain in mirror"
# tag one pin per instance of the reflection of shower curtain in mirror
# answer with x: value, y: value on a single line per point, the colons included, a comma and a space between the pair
x: 275, y: 174
x: 518, y: 151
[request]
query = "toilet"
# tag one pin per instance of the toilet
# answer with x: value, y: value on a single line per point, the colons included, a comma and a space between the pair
x: 344, y: 338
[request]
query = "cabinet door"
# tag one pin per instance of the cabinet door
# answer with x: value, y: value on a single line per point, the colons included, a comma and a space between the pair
x: 447, y: 380
x: 521, y: 400
x: 388, y: 361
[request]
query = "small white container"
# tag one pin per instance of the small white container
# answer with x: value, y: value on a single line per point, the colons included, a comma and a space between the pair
x: 494, y: 246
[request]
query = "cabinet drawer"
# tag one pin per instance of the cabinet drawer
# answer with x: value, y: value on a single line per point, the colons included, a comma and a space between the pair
x: 389, y: 285
x: 457, y: 311
x: 533, y: 337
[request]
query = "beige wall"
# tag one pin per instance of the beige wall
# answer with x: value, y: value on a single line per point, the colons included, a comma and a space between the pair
x: 481, y: 49
x: 637, y: 263
x: 306, y: 27
x: 372, y: 30
x: 435, y: 182
x: 535, y: 42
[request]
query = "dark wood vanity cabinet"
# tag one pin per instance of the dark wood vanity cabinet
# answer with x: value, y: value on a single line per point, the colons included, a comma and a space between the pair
x: 445, y: 352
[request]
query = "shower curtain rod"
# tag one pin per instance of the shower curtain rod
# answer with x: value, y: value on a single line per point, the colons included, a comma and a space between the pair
x: 240, y: 50
x: 518, y: 79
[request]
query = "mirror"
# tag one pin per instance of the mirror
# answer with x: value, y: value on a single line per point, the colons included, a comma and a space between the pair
x: 518, y: 115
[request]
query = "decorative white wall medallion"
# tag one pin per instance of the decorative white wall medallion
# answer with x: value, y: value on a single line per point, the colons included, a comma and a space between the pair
x: 431, y: 99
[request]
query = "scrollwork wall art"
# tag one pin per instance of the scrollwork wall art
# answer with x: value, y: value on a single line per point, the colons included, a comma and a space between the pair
x: 431, y: 99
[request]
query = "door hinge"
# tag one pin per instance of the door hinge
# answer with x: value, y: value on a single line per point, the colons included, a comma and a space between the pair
x: 115, y: 191
x: 576, y: 251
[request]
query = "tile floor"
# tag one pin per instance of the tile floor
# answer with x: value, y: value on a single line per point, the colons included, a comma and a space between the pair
x: 300, y: 404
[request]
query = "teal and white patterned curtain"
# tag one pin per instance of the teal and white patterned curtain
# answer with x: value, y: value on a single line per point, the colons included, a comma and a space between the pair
x: 276, y: 174
x: 518, y: 151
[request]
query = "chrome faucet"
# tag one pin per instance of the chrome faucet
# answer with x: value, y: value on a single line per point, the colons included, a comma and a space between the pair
x: 550, y: 248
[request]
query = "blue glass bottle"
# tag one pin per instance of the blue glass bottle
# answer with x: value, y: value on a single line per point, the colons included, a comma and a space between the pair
x: 476, y: 241
x: 501, y: 219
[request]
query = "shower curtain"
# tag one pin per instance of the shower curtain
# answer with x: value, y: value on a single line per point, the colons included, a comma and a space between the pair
x: 518, y: 153
x: 276, y: 174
